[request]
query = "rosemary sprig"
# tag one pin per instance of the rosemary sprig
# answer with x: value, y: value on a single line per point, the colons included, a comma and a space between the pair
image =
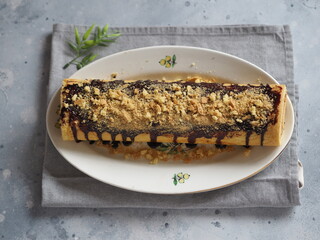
x: 172, y: 148
x: 83, y: 45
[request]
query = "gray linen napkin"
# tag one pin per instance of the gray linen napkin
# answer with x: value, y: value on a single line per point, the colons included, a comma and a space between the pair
x: 269, y: 47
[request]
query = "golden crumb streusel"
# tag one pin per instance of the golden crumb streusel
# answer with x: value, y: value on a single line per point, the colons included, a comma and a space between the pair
x: 139, y: 105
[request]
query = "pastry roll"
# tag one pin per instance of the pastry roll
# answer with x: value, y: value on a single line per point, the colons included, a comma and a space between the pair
x: 172, y: 111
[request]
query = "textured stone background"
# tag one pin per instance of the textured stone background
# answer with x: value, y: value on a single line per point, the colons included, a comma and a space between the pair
x: 25, y: 28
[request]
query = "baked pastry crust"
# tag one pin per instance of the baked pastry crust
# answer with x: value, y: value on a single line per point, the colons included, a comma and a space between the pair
x: 172, y: 111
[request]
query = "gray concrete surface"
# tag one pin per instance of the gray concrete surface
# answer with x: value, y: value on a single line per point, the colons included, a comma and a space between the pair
x: 25, y: 28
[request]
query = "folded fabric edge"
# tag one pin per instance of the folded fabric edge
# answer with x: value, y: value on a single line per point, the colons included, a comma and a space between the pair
x: 95, y: 194
x: 203, y: 29
x: 295, y: 192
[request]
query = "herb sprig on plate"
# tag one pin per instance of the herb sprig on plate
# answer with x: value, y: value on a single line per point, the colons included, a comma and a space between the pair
x: 173, y: 148
x: 84, y: 44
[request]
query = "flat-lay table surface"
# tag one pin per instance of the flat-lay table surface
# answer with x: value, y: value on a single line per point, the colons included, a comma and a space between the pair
x: 25, y: 34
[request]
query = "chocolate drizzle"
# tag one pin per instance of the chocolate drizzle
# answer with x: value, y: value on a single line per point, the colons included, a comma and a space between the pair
x: 74, y: 132
x: 262, y: 133
x: 220, y: 136
x: 248, y: 134
x: 153, y: 136
x: 78, y: 118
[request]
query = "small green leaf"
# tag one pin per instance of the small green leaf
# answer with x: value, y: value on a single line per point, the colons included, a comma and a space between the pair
x: 105, y: 29
x: 87, y: 33
x: 102, y: 45
x: 175, y: 181
x: 95, y: 38
x: 162, y: 149
x: 85, y: 47
x: 79, y: 65
x: 174, y: 58
x: 107, y: 40
x: 114, y: 35
x: 93, y: 57
x: 66, y: 66
x: 99, y: 32
x: 86, y: 58
x: 89, y: 43
x: 73, y: 47
x: 76, y: 34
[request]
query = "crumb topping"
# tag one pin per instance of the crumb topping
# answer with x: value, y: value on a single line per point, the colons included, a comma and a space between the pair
x: 142, y: 105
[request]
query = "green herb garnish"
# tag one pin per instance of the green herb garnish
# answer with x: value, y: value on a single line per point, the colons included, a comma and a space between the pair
x: 83, y: 45
x: 172, y: 148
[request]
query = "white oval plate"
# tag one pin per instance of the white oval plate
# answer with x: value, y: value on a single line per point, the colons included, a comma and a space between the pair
x: 225, y: 169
